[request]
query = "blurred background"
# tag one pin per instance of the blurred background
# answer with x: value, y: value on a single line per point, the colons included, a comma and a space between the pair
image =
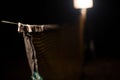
x: 60, y: 58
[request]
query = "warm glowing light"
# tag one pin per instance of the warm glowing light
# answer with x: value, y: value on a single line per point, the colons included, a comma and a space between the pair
x: 83, y: 4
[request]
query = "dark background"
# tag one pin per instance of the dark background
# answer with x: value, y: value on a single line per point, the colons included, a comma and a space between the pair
x: 103, y: 17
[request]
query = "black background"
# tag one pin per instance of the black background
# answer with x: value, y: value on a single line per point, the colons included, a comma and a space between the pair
x: 104, y: 16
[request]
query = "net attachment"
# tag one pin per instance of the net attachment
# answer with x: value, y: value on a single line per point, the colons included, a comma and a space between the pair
x: 26, y: 29
x: 32, y: 28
